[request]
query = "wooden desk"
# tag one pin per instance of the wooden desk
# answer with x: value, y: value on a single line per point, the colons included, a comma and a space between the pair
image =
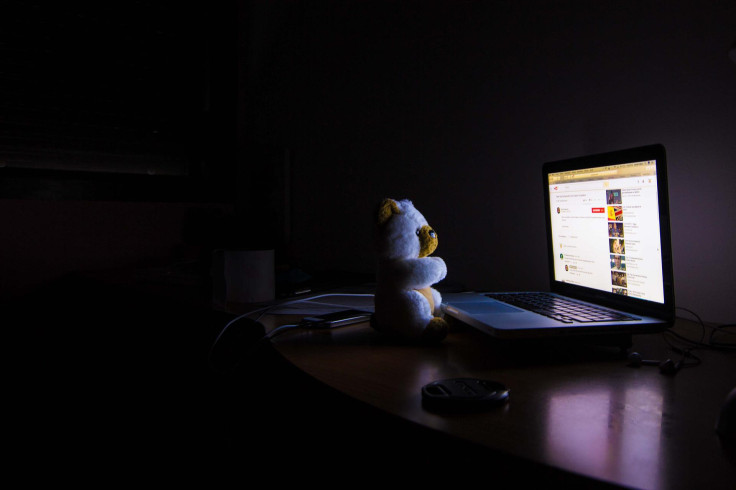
x: 580, y: 410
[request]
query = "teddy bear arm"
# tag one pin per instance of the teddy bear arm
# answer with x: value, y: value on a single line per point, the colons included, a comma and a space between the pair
x: 418, y: 273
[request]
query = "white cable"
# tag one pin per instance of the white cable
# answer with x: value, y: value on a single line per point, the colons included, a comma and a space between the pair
x: 278, y: 329
x: 264, y: 310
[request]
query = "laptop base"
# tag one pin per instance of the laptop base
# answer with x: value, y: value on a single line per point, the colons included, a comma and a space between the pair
x: 618, y: 341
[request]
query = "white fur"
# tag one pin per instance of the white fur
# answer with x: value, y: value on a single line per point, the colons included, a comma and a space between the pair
x: 399, y: 308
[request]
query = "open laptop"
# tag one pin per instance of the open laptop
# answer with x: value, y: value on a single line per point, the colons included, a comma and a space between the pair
x: 609, y: 254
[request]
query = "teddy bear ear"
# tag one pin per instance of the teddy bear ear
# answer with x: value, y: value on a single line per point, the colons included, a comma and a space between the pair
x: 388, y: 208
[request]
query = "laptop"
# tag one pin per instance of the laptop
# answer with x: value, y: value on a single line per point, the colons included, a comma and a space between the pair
x: 608, y: 249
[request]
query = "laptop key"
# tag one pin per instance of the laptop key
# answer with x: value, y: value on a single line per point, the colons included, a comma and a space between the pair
x: 558, y: 308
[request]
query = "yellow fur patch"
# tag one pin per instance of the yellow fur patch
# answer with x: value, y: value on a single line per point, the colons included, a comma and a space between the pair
x: 388, y: 208
x: 427, y: 293
x: 427, y: 241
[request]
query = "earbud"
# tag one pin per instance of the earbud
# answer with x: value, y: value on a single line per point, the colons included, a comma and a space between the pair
x: 670, y: 367
x: 636, y: 360
x: 665, y: 367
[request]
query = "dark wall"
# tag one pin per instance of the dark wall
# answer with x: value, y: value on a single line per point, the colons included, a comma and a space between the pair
x: 455, y: 105
x: 117, y: 137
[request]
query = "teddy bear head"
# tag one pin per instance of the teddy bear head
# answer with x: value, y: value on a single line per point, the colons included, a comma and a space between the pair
x: 403, y: 232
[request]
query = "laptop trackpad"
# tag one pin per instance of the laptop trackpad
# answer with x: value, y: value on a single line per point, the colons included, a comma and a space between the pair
x: 477, y: 305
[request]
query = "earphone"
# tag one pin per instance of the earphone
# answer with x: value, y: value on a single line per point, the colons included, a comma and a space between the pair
x: 668, y: 366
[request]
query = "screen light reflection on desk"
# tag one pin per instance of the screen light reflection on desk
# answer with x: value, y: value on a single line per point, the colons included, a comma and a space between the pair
x: 608, y: 434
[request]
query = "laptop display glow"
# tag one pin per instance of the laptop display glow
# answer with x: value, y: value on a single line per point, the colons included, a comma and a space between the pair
x: 605, y: 230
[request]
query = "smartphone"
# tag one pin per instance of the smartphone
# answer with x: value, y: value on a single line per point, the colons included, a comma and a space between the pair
x: 336, y: 319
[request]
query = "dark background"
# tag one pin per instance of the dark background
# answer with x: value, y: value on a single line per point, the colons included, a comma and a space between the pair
x: 170, y: 130
x: 138, y: 136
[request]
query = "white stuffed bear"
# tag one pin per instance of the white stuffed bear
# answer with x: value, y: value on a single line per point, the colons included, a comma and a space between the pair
x: 405, y: 303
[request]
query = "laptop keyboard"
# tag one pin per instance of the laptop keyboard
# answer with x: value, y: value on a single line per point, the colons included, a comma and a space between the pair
x: 561, y: 309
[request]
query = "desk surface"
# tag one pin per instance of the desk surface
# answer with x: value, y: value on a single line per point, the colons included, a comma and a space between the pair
x: 579, y: 409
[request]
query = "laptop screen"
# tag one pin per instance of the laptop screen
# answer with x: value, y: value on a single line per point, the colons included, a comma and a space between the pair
x: 605, y: 228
